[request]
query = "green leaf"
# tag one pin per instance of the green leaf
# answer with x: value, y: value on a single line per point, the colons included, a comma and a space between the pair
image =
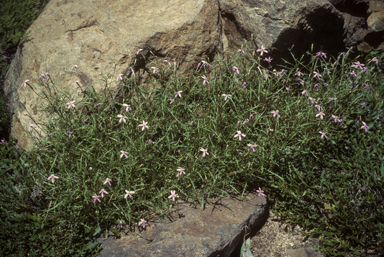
x: 246, y: 252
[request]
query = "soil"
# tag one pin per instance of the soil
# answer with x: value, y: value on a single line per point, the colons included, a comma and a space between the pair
x: 278, y: 239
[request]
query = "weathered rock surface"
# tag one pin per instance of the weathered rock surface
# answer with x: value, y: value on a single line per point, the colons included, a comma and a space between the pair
x: 105, y: 37
x: 363, y: 22
x: 216, y: 230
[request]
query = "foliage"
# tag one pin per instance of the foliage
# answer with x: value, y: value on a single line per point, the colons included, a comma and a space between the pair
x: 332, y: 186
x: 322, y: 181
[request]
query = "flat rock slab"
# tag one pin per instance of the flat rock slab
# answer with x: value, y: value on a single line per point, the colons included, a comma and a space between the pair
x: 216, y: 230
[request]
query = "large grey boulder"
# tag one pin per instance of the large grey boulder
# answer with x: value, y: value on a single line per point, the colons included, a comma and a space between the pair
x: 105, y: 36
x: 218, y: 229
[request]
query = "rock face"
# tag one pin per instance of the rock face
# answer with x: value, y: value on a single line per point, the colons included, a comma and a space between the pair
x: 105, y: 37
x: 363, y: 23
x: 216, y: 230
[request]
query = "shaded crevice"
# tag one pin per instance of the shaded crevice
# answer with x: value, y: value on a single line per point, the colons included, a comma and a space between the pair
x: 374, y: 39
x: 324, y: 31
x: 358, y: 8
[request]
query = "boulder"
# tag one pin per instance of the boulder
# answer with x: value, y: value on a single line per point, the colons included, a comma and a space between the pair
x: 363, y: 22
x: 218, y: 229
x: 105, y: 37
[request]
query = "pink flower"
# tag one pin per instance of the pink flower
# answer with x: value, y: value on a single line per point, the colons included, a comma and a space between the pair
x: 234, y: 68
x: 122, y: 118
x: 226, y: 96
x: 102, y: 192
x: 317, y: 74
x: 239, y: 134
x: 353, y: 73
x: 251, y: 147
x: 365, y: 127
x: 144, y: 125
x: 260, y: 192
x: 155, y: 70
x: 142, y: 222
x: 357, y: 65
x: 139, y: 51
x: 123, y: 153
x: 96, y: 197
x: 335, y: 117
x: 323, y: 134
x: 119, y: 77
x: 173, y: 195
x: 25, y: 83
x: 204, y: 152
x: 71, y: 104
x: 299, y: 81
x: 374, y: 59
x: 127, y: 107
x: 181, y: 170
x: 275, y: 113
x: 262, y: 50
x: 320, y: 114
x: 52, y: 178
x: 205, y: 80
x: 320, y: 54
x: 107, y: 181
x: 129, y: 194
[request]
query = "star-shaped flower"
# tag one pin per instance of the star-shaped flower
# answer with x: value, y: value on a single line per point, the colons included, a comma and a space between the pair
x: 320, y: 114
x: 173, y: 195
x: 335, y: 117
x: 262, y: 50
x: 122, y: 118
x: 127, y: 107
x: 123, y: 153
x: 204, y: 152
x: 323, y: 134
x: 25, y: 83
x: 107, y: 181
x: 119, y: 77
x: 239, y: 135
x: 275, y: 113
x: 71, y: 104
x: 181, y: 170
x: 260, y: 192
x: 96, y: 197
x: 52, y: 178
x: 226, y: 96
x: 129, y: 194
x: 178, y: 93
x: 102, y: 192
x: 144, y: 125
x: 251, y: 147
x: 365, y: 127
x: 142, y: 222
